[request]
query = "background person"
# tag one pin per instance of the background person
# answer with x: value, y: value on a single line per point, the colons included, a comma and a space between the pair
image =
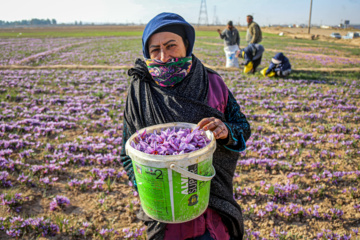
x: 232, y: 42
x: 252, y: 55
x: 253, y: 34
x: 280, y: 65
x: 181, y: 89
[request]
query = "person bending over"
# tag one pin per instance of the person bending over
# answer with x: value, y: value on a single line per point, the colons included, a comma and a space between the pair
x: 252, y: 55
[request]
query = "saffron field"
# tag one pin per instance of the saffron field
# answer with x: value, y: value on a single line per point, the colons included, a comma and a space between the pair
x: 61, y: 135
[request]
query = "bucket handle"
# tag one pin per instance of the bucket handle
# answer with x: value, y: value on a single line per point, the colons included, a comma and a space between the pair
x: 186, y: 173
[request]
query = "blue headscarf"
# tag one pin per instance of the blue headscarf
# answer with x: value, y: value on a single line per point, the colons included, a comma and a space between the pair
x: 278, y: 58
x: 166, y: 19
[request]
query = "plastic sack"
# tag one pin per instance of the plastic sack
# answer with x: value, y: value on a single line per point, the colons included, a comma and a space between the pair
x: 231, y: 59
x: 263, y: 72
x: 248, y: 67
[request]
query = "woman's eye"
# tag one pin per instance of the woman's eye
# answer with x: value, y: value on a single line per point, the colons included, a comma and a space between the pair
x: 154, y: 50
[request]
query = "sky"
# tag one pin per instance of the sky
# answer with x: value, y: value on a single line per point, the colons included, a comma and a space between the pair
x: 265, y: 12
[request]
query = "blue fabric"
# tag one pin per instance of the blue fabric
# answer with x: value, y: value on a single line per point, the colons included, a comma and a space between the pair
x: 125, y: 159
x: 238, y: 125
x: 252, y: 52
x: 284, y: 65
x: 279, y: 56
x: 164, y: 19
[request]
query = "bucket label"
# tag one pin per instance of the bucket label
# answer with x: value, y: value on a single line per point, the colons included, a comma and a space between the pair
x: 173, y: 198
x: 184, y: 185
x: 193, y: 200
x: 152, y: 188
x: 191, y: 196
x: 192, y: 182
x: 138, y: 168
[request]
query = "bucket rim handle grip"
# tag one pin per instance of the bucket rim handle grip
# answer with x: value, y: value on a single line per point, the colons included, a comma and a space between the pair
x: 186, y: 173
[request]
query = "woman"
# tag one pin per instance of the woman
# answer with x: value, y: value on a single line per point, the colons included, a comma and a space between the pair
x: 172, y: 85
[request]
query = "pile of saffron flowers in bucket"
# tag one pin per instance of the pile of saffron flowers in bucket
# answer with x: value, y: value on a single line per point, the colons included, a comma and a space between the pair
x: 172, y: 141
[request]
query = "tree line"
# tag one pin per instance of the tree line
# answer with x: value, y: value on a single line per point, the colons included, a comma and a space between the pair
x: 34, y: 21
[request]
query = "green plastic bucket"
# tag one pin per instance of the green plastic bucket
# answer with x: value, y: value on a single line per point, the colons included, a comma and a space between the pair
x: 173, y: 188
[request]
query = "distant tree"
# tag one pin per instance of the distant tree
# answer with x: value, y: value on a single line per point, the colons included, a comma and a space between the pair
x: 24, y: 22
x: 34, y: 21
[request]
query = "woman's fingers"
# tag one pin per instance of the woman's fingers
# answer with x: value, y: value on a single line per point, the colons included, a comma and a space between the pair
x: 208, y: 124
x: 204, y: 122
x: 216, y: 126
x: 221, y: 132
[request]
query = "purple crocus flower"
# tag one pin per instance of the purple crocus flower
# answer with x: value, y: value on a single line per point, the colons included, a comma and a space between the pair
x: 59, y: 202
x: 170, y: 141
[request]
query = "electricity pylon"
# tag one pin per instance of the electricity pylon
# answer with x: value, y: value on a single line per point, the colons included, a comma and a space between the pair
x: 215, y: 17
x: 203, y: 17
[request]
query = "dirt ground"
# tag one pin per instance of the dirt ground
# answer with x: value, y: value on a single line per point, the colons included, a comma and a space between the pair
x: 117, y: 212
x: 316, y: 33
x: 300, y: 33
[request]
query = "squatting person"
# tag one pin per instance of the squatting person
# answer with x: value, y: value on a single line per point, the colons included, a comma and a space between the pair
x: 280, y: 66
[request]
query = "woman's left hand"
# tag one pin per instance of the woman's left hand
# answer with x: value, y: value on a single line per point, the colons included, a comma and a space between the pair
x: 215, y: 125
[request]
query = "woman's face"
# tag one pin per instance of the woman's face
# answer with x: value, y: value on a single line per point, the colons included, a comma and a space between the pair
x: 166, y: 45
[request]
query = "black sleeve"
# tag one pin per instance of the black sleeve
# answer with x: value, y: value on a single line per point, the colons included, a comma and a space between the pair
x: 125, y: 159
x: 238, y: 126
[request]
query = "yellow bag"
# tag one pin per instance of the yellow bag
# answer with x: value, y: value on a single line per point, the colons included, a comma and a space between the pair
x: 270, y: 74
x: 248, y: 67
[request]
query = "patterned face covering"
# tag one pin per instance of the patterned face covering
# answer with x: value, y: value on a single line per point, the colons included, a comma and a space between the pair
x: 167, y: 74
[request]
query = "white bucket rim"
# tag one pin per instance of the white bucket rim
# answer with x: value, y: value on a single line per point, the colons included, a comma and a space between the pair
x: 171, y: 158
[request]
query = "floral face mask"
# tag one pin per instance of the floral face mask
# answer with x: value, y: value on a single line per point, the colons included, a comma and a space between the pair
x: 167, y: 74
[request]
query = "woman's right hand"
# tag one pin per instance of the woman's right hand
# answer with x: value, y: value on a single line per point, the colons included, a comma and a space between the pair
x: 215, y: 125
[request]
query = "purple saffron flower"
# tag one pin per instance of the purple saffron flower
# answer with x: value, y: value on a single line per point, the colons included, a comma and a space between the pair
x: 82, y: 231
x: 170, y: 141
x: 261, y: 213
x: 59, y: 202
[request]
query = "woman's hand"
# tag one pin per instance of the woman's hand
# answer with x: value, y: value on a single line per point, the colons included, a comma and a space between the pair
x: 215, y: 125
